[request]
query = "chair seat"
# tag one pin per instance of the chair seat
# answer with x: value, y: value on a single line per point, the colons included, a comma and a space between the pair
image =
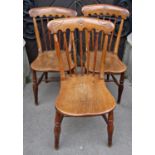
x: 47, y: 61
x: 113, y: 63
x: 85, y: 95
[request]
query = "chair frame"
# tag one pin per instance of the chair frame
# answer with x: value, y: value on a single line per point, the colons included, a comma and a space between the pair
x: 82, y: 24
x: 100, y: 11
x: 48, y: 12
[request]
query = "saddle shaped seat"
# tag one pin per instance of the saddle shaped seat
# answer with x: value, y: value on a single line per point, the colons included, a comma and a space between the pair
x: 47, y: 61
x: 112, y: 63
x: 84, y: 96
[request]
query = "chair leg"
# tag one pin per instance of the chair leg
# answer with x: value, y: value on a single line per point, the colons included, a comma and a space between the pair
x: 57, y: 128
x: 35, y: 87
x: 120, y: 87
x: 46, y: 77
x: 110, y: 128
x: 108, y: 76
x: 73, y: 71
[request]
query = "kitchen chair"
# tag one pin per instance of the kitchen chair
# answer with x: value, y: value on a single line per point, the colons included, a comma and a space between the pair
x: 46, y: 60
x: 82, y: 93
x: 113, y: 65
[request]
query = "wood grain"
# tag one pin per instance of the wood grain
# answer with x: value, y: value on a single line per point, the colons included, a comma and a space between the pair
x: 84, y: 96
x: 80, y: 23
x: 105, y: 9
x: 112, y: 63
x: 47, y: 62
x: 52, y: 11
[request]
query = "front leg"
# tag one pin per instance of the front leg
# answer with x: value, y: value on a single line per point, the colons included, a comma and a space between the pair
x: 57, y: 129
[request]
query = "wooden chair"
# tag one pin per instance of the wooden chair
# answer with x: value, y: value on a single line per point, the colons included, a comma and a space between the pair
x: 113, y: 64
x: 82, y: 93
x: 46, y: 60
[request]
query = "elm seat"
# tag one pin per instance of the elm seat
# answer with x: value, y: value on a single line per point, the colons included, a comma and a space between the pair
x: 88, y: 95
x: 112, y: 63
x: 47, y: 61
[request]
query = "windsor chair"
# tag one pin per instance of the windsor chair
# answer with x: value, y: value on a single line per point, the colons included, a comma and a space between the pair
x: 46, y: 60
x: 113, y: 65
x: 82, y: 93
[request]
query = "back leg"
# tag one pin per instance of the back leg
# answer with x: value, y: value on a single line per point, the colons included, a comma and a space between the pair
x: 110, y: 128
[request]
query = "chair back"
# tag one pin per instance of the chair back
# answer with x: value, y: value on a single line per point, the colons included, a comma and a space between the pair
x: 41, y: 16
x: 84, y: 26
x: 115, y: 14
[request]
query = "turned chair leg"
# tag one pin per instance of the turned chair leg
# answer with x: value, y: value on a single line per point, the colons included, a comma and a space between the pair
x: 110, y: 127
x: 57, y: 128
x: 46, y: 77
x: 35, y: 86
x: 120, y: 87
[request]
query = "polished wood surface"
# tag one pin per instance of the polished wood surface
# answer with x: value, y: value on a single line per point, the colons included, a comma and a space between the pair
x: 85, y: 95
x: 46, y: 60
x: 82, y: 93
x: 117, y: 15
x: 52, y: 11
x: 80, y: 23
x: 112, y: 63
x: 105, y: 9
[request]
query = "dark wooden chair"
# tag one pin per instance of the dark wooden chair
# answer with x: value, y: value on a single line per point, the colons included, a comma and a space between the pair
x: 113, y: 65
x: 46, y: 60
x: 82, y: 93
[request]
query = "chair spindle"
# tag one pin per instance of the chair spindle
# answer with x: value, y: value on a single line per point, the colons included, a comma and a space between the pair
x: 67, y: 52
x: 44, y: 34
x: 49, y: 36
x: 118, y: 37
x: 57, y: 46
x: 87, y: 34
x: 37, y: 35
x: 102, y: 62
x: 74, y: 49
x: 112, y: 35
x: 81, y: 52
x: 95, y: 51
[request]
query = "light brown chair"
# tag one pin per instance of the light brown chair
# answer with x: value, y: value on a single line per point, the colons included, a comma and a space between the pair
x: 46, y: 60
x: 113, y: 65
x: 82, y: 93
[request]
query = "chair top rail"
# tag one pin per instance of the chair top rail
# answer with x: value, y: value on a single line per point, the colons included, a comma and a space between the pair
x: 105, y: 9
x: 52, y: 11
x: 80, y: 23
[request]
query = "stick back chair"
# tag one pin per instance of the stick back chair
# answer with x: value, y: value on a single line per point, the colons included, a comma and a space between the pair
x: 46, y: 60
x: 113, y: 64
x: 82, y: 93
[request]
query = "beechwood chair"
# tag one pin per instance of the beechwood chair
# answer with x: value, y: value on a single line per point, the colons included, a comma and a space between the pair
x: 82, y: 93
x: 46, y: 60
x: 113, y: 65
